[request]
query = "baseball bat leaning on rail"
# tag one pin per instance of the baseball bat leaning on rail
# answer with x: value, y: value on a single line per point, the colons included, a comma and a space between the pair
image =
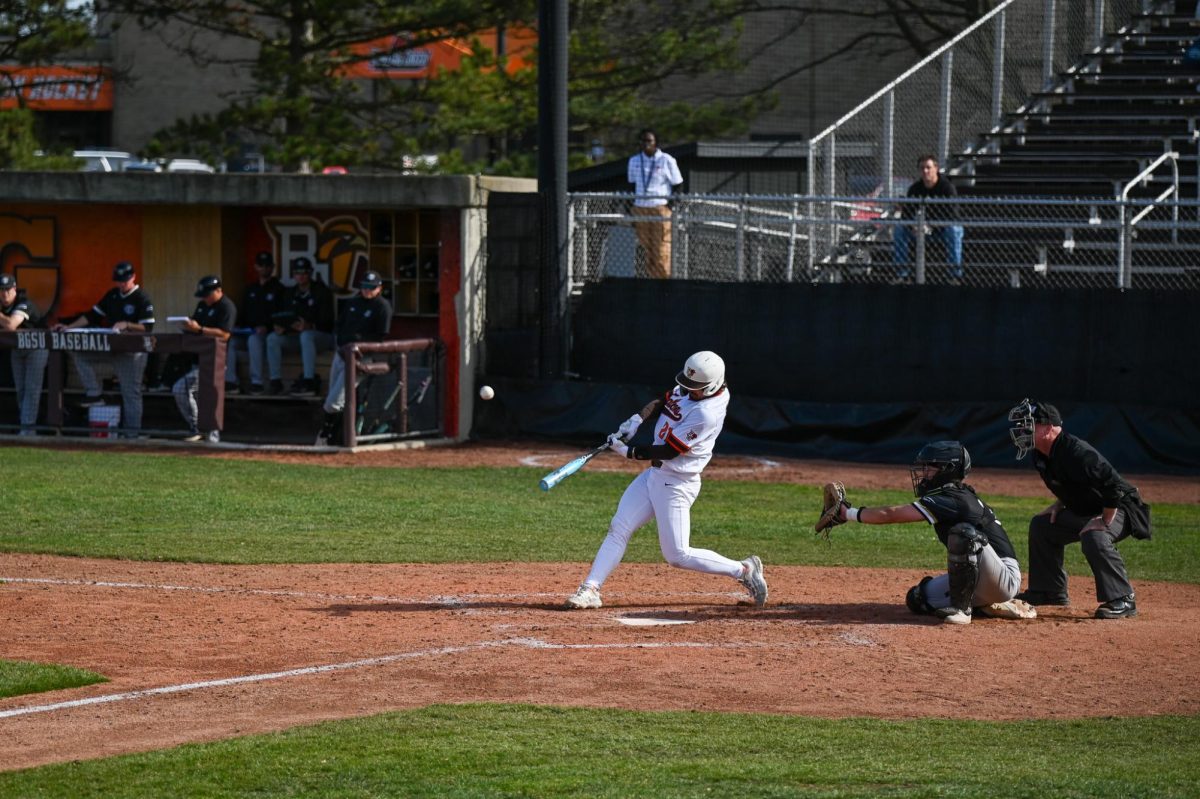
x: 567, y: 469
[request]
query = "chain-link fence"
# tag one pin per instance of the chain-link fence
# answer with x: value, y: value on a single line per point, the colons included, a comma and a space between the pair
x: 1146, y: 243
x: 943, y: 104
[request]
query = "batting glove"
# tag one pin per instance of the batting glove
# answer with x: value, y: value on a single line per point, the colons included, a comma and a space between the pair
x: 617, y: 445
x: 629, y: 427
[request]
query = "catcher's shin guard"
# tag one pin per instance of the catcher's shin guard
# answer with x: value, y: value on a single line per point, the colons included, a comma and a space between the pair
x: 963, y: 545
x: 916, y: 601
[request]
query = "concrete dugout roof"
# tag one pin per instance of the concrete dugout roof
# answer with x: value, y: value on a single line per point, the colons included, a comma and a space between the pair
x: 317, y: 191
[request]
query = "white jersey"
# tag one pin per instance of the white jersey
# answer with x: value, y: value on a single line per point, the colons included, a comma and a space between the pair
x: 690, y: 427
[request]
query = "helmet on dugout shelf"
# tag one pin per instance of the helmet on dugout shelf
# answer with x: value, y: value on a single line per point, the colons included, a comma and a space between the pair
x: 949, y: 458
x: 703, y: 372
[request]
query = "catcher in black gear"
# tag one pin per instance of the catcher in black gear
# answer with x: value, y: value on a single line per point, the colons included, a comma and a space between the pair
x: 982, y: 573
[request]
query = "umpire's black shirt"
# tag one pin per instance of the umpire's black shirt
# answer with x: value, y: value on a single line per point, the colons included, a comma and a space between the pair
x: 364, y: 320
x: 1084, y: 482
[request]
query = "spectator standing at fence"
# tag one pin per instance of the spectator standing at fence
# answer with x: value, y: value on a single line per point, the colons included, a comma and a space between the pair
x: 938, y: 216
x: 126, y: 308
x: 653, y: 173
x: 214, y: 317
x: 304, y: 323
x: 365, y: 317
x: 28, y: 366
x: 263, y: 298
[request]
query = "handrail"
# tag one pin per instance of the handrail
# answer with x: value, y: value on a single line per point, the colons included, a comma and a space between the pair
x: 1124, y: 247
x: 910, y: 71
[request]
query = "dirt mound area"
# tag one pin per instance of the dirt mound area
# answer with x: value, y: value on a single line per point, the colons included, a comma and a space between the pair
x: 201, y: 652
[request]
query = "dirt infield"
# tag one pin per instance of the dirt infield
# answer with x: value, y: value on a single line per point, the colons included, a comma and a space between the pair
x: 201, y: 652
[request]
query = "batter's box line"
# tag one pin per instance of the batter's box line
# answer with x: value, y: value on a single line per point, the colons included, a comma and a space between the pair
x: 449, y: 600
x: 527, y: 643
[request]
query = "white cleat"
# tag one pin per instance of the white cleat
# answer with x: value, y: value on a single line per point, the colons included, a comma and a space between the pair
x: 954, y: 616
x: 588, y: 596
x: 753, y: 581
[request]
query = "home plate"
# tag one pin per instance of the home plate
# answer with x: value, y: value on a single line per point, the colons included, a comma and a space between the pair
x: 644, y: 622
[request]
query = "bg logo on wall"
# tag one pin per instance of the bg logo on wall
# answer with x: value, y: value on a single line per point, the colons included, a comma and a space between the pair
x: 337, y: 247
x: 29, y: 252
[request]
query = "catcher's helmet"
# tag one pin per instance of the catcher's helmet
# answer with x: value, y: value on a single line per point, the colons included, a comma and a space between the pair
x: 703, y: 372
x: 951, y: 459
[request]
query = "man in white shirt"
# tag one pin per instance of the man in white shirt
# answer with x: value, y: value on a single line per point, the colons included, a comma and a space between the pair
x: 653, y: 173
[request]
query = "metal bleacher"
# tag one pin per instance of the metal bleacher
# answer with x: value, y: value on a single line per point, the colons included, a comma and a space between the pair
x: 1107, y: 118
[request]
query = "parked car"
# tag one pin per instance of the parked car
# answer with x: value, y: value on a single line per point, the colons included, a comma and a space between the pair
x: 189, y: 165
x: 99, y: 160
x: 148, y: 165
x: 334, y: 170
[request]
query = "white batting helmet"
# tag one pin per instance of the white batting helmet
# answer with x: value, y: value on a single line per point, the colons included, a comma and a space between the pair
x: 703, y: 372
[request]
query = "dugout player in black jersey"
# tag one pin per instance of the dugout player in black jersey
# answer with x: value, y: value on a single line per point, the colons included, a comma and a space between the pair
x: 365, y: 317
x: 1094, y: 505
x: 28, y: 366
x: 215, y: 316
x: 982, y: 573
x: 126, y: 308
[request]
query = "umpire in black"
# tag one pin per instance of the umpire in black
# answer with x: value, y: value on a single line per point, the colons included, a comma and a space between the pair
x: 1095, y: 506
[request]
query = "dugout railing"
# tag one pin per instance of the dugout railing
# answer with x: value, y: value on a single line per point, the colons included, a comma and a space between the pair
x: 1149, y: 242
x: 394, y: 390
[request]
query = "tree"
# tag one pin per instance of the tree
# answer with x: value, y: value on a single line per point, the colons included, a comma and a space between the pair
x: 34, y: 34
x: 301, y: 106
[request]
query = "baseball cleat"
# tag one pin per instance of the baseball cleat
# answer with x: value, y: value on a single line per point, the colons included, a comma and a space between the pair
x: 753, y: 581
x: 953, y: 615
x: 1043, y: 598
x: 1012, y: 609
x: 588, y: 596
x: 1119, y: 608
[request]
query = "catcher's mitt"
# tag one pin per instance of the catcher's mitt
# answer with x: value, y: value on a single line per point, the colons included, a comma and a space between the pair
x: 834, y: 498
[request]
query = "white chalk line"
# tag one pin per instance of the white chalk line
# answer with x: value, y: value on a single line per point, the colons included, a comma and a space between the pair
x: 449, y: 601
x: 528, y: 643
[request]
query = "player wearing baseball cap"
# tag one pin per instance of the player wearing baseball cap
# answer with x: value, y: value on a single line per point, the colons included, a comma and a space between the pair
x: 126, y: 308
x: 691, y: 416
x: 215, y: 316
x: 365, y: 317
x: 28, y: 366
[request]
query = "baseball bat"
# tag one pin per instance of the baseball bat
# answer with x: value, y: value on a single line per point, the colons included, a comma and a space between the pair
x: 567, y: 469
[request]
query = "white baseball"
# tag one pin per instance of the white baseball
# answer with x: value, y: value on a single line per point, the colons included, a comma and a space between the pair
x: 486, y: 392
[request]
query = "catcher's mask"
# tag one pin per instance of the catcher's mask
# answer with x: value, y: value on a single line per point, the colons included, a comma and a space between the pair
x: 949, y: 458
x: 1024, y: 416
x: 703, y: 372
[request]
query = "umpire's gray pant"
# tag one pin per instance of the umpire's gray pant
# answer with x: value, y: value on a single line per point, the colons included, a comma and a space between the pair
x: 128, y: 368
x: 29, y: 369
x: 1047, y: 542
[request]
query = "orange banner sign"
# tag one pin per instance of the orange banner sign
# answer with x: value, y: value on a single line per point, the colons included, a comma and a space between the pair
x: 393, y: 57
x: 56, y: 88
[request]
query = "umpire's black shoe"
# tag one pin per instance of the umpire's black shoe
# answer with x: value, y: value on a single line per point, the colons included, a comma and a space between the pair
x: 1119, y: 608
x: 1043, y: 598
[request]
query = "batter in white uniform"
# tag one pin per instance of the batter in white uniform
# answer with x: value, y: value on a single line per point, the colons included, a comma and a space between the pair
x: 691, y: 416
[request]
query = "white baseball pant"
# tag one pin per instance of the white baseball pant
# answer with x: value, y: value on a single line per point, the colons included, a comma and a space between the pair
x: 999, y: 581
x: 667, y: 498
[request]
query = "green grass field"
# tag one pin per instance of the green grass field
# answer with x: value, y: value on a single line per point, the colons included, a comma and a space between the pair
x: 158, y: 507
x: 19, y: 677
